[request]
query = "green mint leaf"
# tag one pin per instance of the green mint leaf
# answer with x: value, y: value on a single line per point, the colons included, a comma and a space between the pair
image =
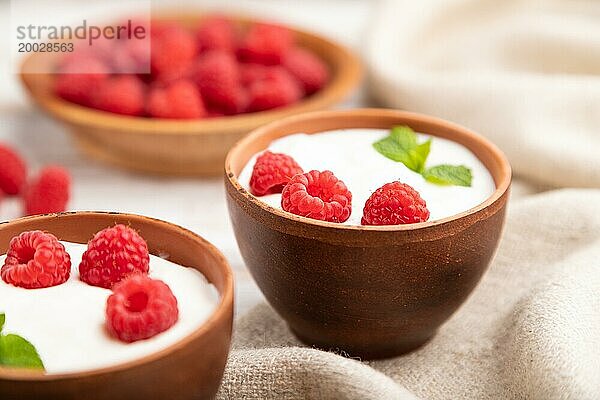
x: 401, y: 146
x: 422, y: 152
x: 404, y: 136
x: 18, y: 353
x: 389, y: 148
x: 449, y: 175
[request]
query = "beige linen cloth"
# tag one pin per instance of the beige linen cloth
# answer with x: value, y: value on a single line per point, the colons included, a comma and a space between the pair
x: 526, y: 74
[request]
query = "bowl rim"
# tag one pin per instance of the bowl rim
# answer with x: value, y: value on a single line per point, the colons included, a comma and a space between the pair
x: 341, y: 83
x: 501, y: 187
x: 220, y: 311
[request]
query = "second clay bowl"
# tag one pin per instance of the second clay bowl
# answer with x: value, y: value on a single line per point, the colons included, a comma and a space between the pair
x: 191, y: 368
x: 375, y: 291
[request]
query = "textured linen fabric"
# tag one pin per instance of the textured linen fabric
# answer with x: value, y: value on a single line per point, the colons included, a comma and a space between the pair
x: 531, y: 329
x: 524, y: 73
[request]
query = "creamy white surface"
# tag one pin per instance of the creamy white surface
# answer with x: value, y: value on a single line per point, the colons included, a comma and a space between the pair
x: 66, y: 322
x: 350, y: 155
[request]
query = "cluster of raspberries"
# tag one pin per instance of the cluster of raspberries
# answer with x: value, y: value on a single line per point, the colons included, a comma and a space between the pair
x: 216, y: 69
x: 47, y: 192
x: 321, y: 195
x: 116, y: 258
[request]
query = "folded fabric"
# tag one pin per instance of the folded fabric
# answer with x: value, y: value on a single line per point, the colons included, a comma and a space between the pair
x: 524, y: 73
x: 530, y: 330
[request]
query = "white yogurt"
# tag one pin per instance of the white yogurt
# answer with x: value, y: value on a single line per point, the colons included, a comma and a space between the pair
x: 65, y: 323
x: 350, y: 155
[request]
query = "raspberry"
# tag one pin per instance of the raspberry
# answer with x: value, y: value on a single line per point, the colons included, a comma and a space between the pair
x: 218, y: 77
x: 250, y: 73
x: 278, y: 88
x: 13, y: 171
x: 307, y: 68
x: 122, y: 94
x: 173, y: 49
x: 167, y: 78
x: 395, y: 203
x: 214, y: 114
x: 266, y: 44
x: 79, y: 80
x: 36, y: 260
x: 49, y: 192
x: 317, y: 195
x: 131, y: 56
x: 216, y: 33
x: 160, y: 28
x: 271, y: 172
x: 113, y: 254
x: 76, y: 61
x: 180, y: 100
x: 140, y: 308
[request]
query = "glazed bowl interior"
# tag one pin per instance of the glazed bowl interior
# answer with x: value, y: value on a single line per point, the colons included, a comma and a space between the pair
x: 210, y: 340
x: 181, y: 147
x: 260, y: 139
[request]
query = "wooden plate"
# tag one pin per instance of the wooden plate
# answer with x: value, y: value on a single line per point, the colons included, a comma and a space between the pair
x: 193, y: 148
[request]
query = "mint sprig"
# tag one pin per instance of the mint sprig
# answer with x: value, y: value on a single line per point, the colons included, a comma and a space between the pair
x: 457, y: 175
x: 17, y: 352
x: 402, y: 146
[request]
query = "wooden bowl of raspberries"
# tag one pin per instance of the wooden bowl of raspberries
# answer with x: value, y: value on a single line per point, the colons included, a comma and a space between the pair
x: 211, y: 80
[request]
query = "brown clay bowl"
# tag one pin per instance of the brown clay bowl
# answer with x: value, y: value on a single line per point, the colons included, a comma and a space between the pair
x: 370, y: 292
x: 191, y: 368
x: 180, y: 147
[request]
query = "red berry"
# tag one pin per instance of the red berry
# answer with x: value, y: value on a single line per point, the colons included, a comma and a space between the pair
x: 216, y: 33
x: 250, y: 73
x: 77, y: 60
x: 214, y: 114
x: 36, y: 260
x: 113, y: 254
x: 277, y: 89
x: 395, y: 203
x: 79, y: 79
x: 13, y: 171
x: 317, y: 195
x: 266, y: 44
x: 49, y: 192
x: 131, y: 56
x: 173, y: 50
x: 218, y: 77
x: 167, y: 78
x: 307, y: 68
x: 122, y: 94
x: 180, y: 100
x: 271, y: 172
x: 140, y: 308
x: 159, y: 28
